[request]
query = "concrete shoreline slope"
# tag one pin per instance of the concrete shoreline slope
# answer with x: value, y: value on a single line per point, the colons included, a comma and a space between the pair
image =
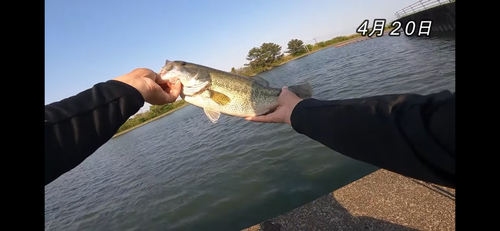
x: 382, y: 200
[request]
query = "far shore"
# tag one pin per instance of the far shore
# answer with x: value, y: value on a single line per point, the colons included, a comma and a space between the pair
x: 153, y: 119
x: 343, y: 43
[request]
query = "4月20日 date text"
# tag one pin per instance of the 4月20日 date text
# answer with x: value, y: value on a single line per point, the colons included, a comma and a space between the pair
x: 424, y: 28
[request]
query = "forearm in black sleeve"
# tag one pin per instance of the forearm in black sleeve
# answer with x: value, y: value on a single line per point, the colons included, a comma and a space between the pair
x: 409, y: 134
x: 77, y: 126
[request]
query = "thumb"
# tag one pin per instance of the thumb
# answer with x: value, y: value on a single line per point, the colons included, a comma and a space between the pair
x: 284, y: 90
x: 175, y: 88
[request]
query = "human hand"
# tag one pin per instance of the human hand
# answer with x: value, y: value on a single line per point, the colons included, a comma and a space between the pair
x: 155, y: 90
x: 286, y: 103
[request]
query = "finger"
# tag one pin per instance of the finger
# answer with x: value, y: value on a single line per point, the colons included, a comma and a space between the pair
x: 169, y: 98
x: 163, y: 93
x: 158, y: 79
x: 262, y: 119
x: 159, y: 97
x: 175, y: 88
x: 284, y: 92
x: 164, y: 87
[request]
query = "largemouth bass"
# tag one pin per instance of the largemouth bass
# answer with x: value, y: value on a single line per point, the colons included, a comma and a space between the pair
x: 223, y: 92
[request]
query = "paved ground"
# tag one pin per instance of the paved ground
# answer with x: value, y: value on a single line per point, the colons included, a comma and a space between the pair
x: 380, y: 201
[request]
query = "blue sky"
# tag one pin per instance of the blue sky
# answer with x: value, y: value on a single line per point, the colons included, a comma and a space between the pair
x: 91, y: 41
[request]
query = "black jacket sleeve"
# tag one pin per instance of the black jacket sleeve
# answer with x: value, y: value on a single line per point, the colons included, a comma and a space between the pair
x: 77, y: 126
x: 413, y: 135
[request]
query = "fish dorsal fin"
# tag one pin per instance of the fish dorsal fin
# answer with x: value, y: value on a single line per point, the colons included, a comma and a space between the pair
x: 261, y: 80
x: 213, y: 115
x: 219, y: 98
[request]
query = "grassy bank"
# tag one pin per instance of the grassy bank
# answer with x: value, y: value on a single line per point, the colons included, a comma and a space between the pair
x: 155, y: 112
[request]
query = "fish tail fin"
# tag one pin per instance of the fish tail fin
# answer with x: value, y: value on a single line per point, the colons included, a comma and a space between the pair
x: 303, y: 91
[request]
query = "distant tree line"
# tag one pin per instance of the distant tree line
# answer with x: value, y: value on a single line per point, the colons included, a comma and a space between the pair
x: 269, y: 55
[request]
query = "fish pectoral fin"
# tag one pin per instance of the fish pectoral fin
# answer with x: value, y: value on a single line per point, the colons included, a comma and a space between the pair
x: 261, y: 80
x: 213, y: 115
x: 219, y: 98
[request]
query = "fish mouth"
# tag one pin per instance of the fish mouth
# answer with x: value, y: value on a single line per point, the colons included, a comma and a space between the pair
x: 165, y: 70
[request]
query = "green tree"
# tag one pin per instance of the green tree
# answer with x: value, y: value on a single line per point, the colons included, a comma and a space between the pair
x: 310, y: 47
x: 255, y: 57
x: 296, y: 47
x: 264, y: 56
x: 233, y: 70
